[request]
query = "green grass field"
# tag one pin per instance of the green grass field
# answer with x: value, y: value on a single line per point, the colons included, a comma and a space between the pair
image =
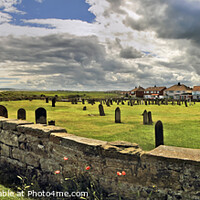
x: 181, y: 124
x: 9, y: 194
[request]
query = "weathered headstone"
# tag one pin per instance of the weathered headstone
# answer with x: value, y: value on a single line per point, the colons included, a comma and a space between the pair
x: 3, y: 111
x: 186, y: 103
x: 47, y: 100
x: 51, y: 123
x: 41, y: 116
x: 108, y: 103
x: 54, y: 102
x: 117, y: 115
x: 101, y: 110
x: 21, y: 114
x: 84, y: 108
x: 145, y: 117
x: 150, y: 122
x: 159, y: 139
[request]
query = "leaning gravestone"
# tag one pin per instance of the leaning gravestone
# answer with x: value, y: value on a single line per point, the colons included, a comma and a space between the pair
x: 101, y: 110
x: 145, y: 117
x: 41, y: 116
x: 117, y: 115
x: 150, y: 122
x: 3, y: 111
x: 159, y: 133
x: 54, y: 102
x: 21, y: 114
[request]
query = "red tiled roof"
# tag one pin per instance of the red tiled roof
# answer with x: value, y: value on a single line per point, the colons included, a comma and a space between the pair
x: 178, y: 88
x: 155, y: 88
x: 196, y: 88
x: 138, y: 89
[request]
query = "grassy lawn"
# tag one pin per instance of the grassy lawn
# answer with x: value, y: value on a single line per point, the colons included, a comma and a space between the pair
x: 9, y: 194
x: 181, y: 124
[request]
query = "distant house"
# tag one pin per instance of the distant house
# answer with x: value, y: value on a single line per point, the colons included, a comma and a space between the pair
x: 196, y: 92
x: 179, y: 91
x: 154, y: 92
x: 137, y: 92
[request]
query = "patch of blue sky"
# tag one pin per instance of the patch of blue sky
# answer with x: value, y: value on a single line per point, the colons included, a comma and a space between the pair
x: 58, y: 9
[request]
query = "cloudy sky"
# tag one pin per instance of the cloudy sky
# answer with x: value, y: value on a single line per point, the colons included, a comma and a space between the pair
x: 99, y: 44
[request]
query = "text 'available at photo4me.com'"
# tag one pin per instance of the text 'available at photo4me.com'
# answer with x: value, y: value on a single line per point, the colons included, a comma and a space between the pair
x: 40, y: 194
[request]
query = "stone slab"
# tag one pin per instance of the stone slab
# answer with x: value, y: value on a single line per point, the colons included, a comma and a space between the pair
x: 176, y: 153
x: 39, y: 130
x: 12, y: 124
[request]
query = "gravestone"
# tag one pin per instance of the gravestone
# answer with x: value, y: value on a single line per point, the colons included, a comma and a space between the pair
x: 108, y: 103
x: 150, y: 122
x: 186, y: 103
x: 145, y: 117
x: 128, y: 103
x: 3, y: 111
x: 111, y: 102
x: 54, y: 102
x: 51, y: 123
x: 21, y: 114
x: 41, y: 116
x: 131, y: 103
x: 159, y: 140
x: 166, y: 102
x: 122, y: 103
x: 145, y: 102
x: 117, y: 115
x: 83, y: 101
x: 158, y: 102
x: 47, y: 100
x: 84, y: 108
x: 101, y: 110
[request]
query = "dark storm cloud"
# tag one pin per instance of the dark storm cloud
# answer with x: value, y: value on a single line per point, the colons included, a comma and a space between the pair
x: 53, y: 48
x: 69, y: 60
x: 177, y: 19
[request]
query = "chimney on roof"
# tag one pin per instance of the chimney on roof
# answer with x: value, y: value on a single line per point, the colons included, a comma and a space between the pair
x: 135, y: 87
x: 154, y: 85
x: 179, y: 83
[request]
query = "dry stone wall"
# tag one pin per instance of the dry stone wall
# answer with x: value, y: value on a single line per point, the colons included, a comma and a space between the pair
x: 36, y: 149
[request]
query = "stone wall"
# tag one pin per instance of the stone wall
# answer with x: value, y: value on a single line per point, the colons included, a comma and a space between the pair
x: 163, y: 173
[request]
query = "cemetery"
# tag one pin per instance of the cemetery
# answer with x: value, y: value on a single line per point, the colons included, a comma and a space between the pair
x: 155, y: 144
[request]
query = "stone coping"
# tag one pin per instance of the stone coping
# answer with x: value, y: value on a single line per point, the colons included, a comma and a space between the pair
x: 180, y: 153
x: 60, y: 136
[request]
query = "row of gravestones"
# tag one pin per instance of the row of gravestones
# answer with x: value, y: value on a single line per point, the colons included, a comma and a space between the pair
x: 109, y: 102
x: 40, y: 115
x: 41, y: 118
